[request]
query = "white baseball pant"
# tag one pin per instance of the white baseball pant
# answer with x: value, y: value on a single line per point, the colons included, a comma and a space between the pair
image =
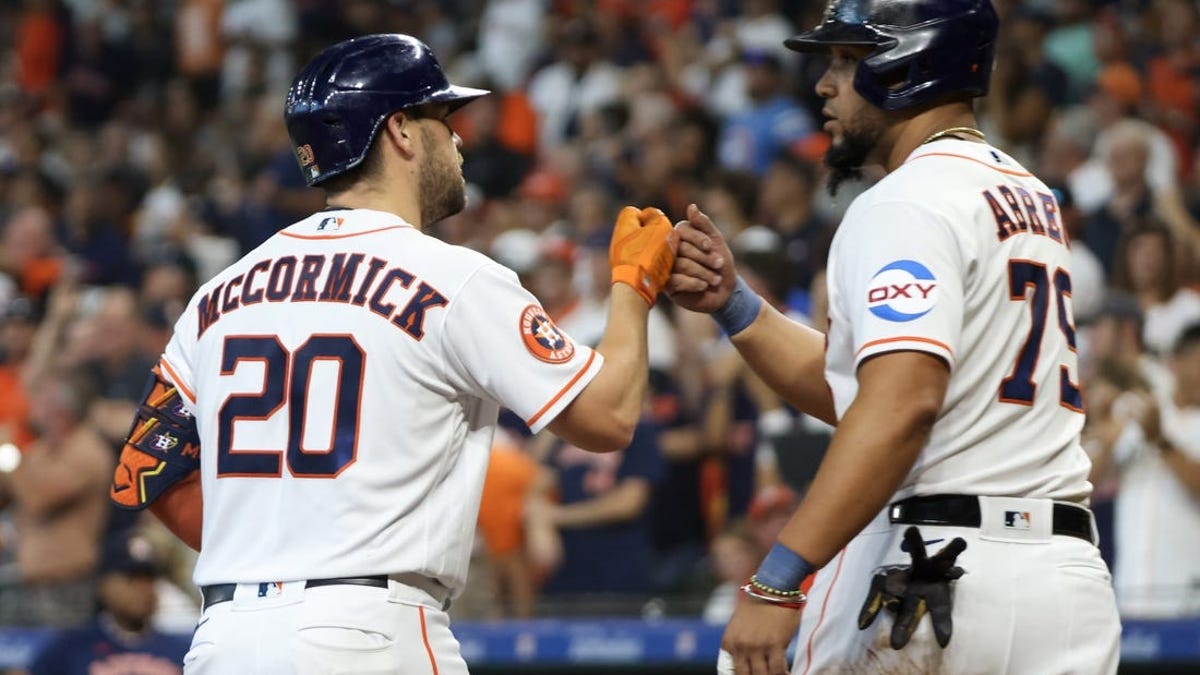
x: 1030, y: 603
x: 326, y: 630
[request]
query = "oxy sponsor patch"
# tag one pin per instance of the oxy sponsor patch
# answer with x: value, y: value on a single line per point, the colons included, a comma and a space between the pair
x: 902, y: 291
x: 543, y: 339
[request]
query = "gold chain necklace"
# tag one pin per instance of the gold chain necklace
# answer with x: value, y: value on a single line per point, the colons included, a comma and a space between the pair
x: 955, y: 130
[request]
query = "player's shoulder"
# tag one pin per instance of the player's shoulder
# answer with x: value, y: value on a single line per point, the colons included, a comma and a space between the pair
x: 937, y: 164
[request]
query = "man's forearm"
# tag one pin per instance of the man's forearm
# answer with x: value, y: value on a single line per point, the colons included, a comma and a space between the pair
x: 873, y: 449
x: 790, y: 358
x: 625, y: 353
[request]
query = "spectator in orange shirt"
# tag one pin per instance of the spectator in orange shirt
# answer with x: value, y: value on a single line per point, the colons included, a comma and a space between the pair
x: 18, y: 325
x: 521, y: 551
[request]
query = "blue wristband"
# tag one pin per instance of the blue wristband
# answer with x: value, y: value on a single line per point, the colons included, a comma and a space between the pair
x: 783, y: 569
x: 740, y: 310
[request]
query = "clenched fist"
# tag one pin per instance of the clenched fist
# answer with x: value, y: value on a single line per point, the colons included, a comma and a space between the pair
x: 642, y: 251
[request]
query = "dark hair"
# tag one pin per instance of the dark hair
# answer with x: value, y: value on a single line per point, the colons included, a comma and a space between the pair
x: 371, y: 165
x: 741, y: 185
x: 1122, y: 277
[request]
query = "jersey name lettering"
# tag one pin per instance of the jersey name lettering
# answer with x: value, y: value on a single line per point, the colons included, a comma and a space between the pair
x: 347, y: 278
x: 1018, y: 212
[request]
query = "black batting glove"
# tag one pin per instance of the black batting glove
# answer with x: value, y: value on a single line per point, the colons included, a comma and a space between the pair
x: 912, y: 590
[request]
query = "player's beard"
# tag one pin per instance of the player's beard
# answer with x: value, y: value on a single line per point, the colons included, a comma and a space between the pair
x: 440, y: 184
x: 846, y: 156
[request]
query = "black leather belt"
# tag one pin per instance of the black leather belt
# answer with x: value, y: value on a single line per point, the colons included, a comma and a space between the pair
x: 963, y: 511
x: 218, y: 593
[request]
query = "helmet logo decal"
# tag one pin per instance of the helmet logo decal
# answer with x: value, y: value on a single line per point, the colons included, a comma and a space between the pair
x: 308, y: 162
x: 304, y: 153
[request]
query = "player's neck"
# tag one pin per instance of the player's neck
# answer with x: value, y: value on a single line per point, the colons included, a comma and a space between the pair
x: 368, y: 196
x: 916, y: 131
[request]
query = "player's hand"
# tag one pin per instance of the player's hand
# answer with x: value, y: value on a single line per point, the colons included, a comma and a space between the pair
x: 642, y: 251
x: 758, y: 635
x: 912, y: 590
x: 704, y: 275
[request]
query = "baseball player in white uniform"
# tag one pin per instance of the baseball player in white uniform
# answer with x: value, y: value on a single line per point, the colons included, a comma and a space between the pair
x: 955, y: 484
x: 338, y: 388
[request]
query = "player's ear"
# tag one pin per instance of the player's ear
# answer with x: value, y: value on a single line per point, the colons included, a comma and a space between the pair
x: 401, y: 130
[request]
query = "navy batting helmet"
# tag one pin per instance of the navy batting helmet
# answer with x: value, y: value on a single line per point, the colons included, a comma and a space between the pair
x: 338, y: 101
x: 920, y: 49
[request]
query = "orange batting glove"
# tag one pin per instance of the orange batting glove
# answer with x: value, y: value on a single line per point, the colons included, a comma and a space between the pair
x: 642, y: 251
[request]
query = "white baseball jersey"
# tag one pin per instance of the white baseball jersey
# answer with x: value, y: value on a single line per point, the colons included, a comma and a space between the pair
x: 346, y: 378
x: 960, y: 252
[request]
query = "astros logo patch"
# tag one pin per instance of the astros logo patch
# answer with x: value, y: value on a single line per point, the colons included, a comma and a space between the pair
x: 542, y: 338
x: 902, y: 291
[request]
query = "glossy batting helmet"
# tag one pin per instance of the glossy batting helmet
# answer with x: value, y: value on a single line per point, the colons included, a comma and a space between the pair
x: 340, y: 98
x: 920, y: 49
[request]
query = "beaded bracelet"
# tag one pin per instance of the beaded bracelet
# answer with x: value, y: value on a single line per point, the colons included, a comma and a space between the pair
x: 796, y: 601
x: 773, y: 591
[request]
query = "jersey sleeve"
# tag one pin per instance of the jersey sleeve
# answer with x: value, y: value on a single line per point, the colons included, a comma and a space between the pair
x: 902, y: 284
x: 177, y: 359
x: 500, y: 344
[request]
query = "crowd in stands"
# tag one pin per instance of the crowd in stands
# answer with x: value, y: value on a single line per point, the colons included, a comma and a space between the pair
x: 142, y: 149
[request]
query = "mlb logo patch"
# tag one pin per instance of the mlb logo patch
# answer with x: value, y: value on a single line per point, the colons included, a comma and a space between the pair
x: 330, y: 223
x: 1017, y: 520
x: 270, y: 589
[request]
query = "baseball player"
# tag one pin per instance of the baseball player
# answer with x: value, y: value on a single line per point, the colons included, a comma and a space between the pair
x: 955, y: 484
x: 338, y: 388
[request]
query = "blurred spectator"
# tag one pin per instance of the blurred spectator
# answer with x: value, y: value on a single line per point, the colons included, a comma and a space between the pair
x: 18, y: 325
x: 200, y: 48
x: 1088, y: 278
x: 1113, y: 102
x: 579, y: 82
x: 59, y: 497
x: 1147, y: 267
x: 95, y: 79
x: 510, y: 35
x: 41, y: 37
x: 786, y: 205
x: 120, y: 638
x: 29, y: 252
x: 773, y: 121
x: 278, y: 194
x: 519, y: 554
x: 552, y: 282
x: 1171, y: 80
x: 731, y: 200
x: 735, y: 556
x: 1070, y: 45
x: 1115, y: 335
x: 1026, y: 86
x: 679, y: 530
x: 257, y: 34
x: 603, y: 515
x: 543, y: 196
x: 95, y: 239
x: 1155, y: 446
x: 740, y: 547
x: 1131, y: 201
x: 496, y: 166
